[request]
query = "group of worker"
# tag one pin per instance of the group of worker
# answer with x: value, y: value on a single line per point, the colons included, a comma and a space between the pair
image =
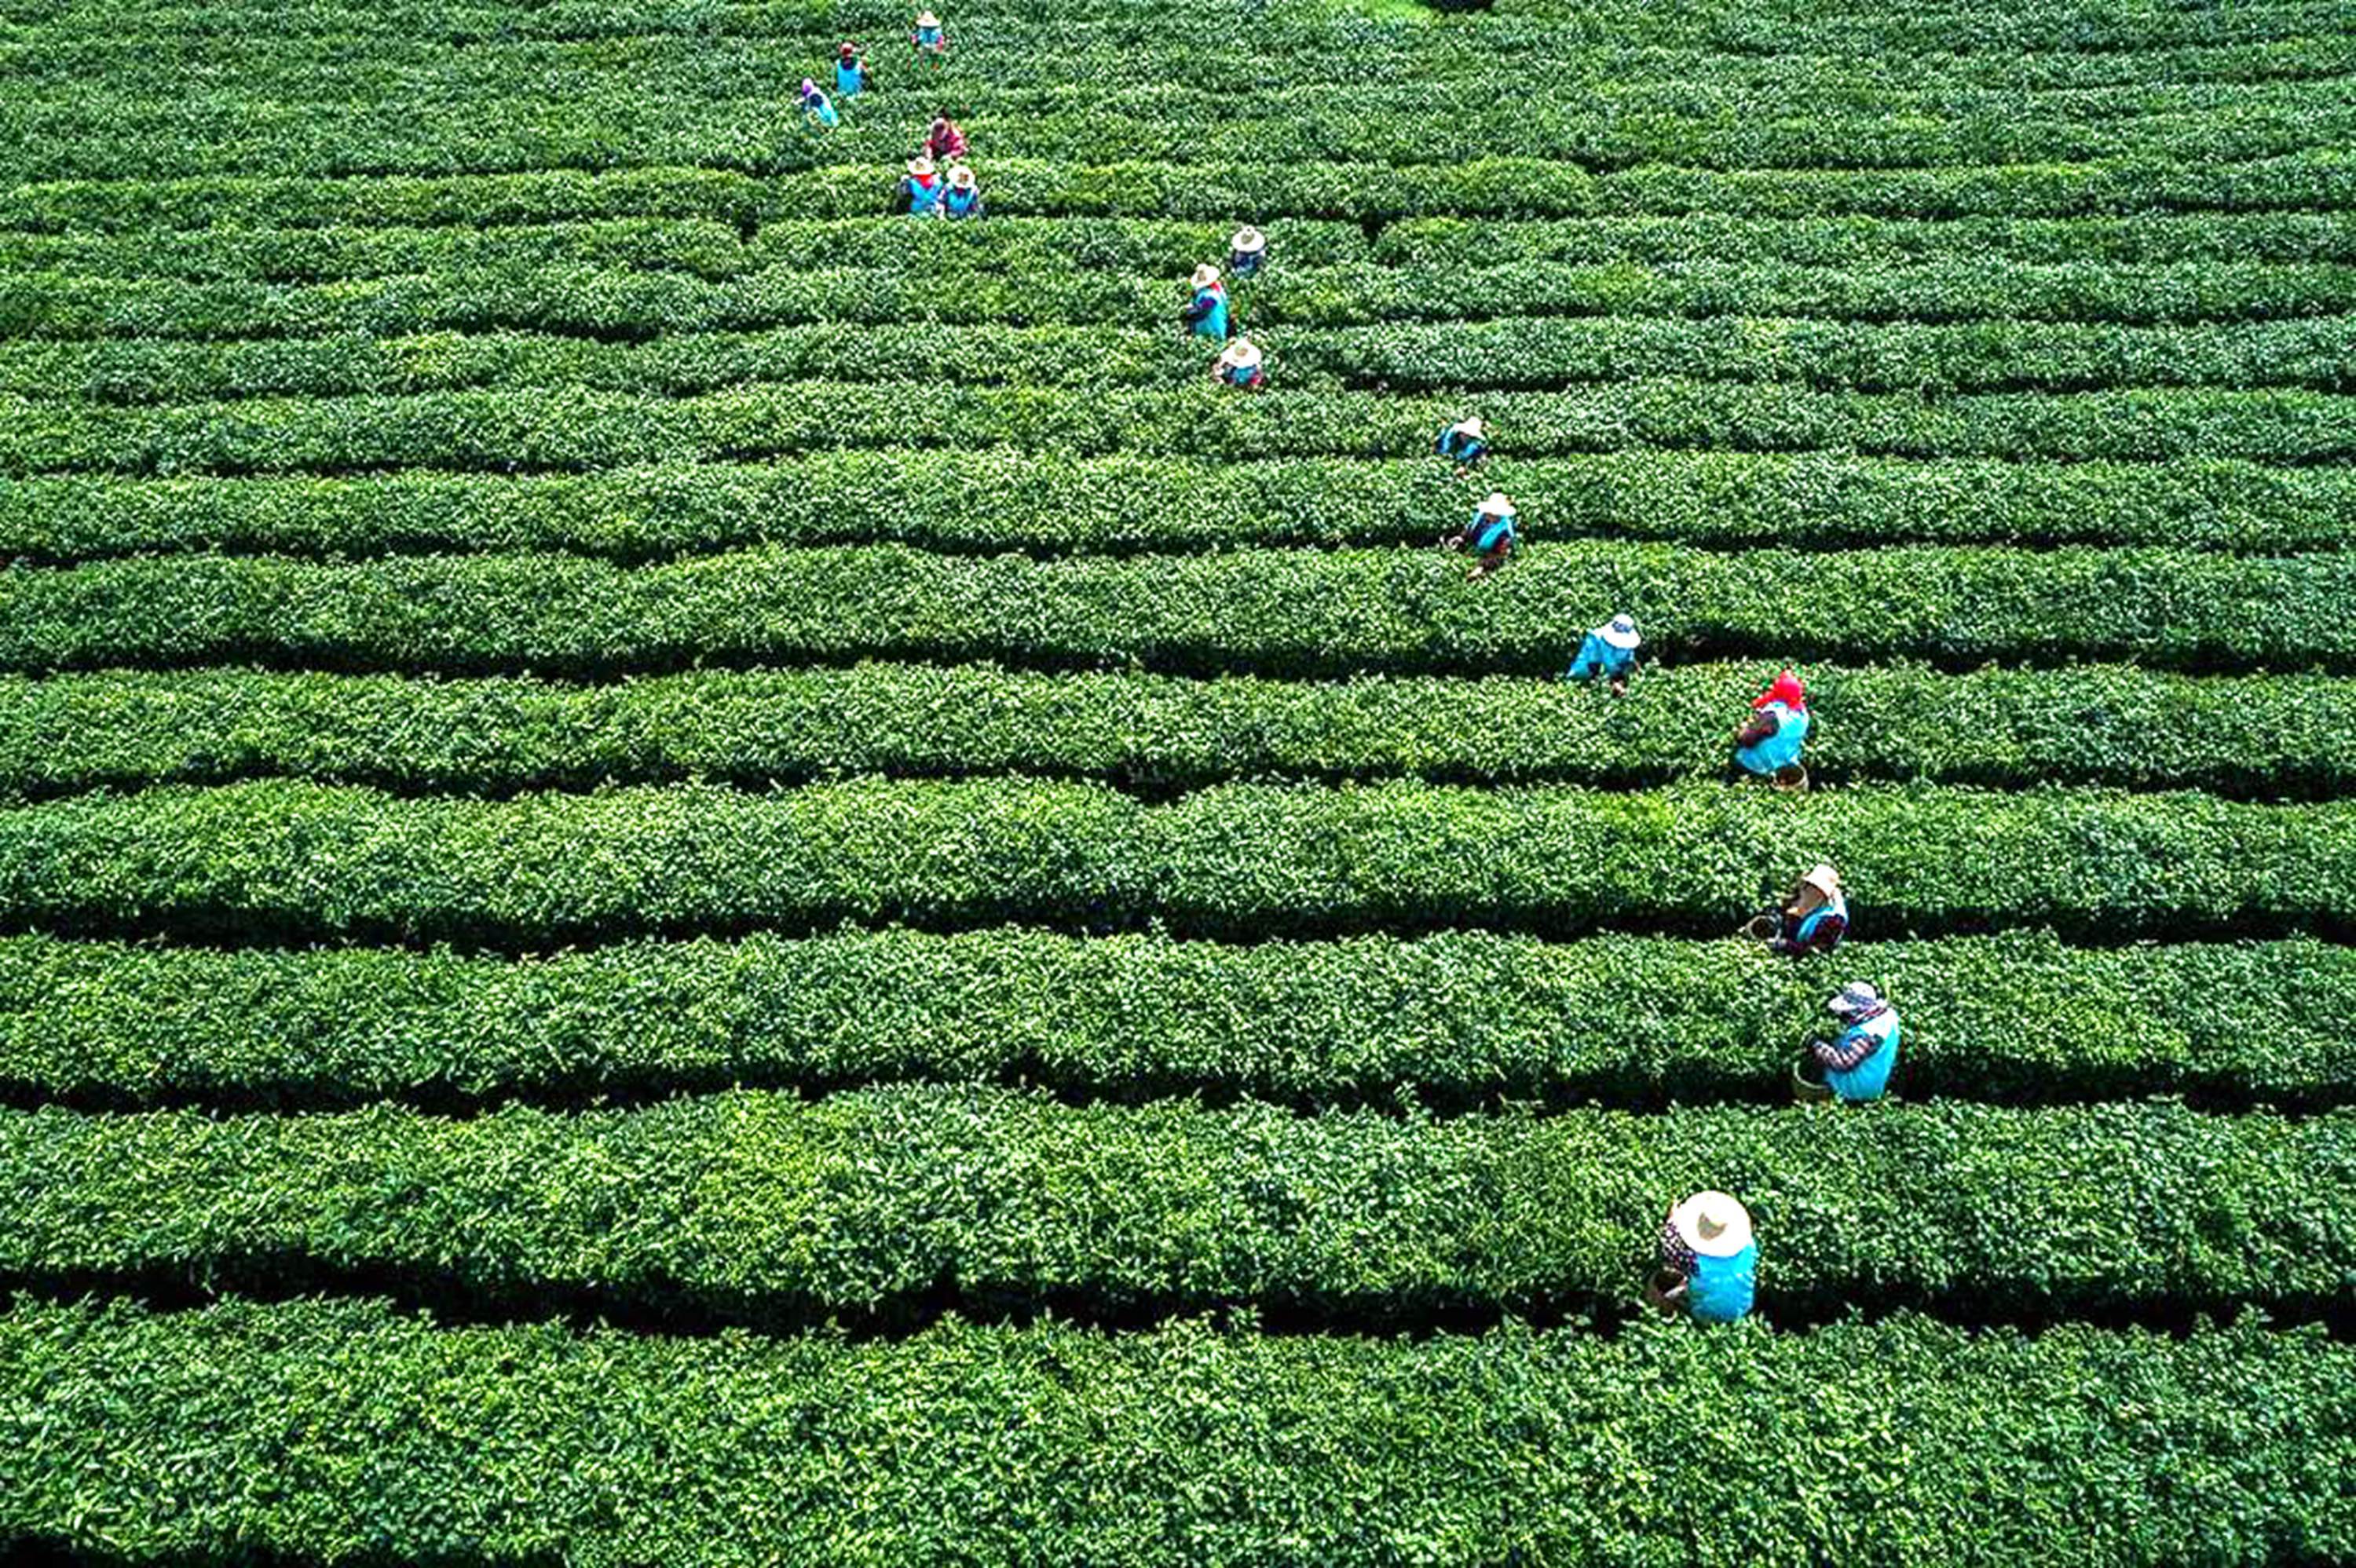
x: 1209, y: 311
x: 936, y: 183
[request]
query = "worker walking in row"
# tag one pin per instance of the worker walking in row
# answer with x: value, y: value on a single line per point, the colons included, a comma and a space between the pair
x: 817, y: 112
x: 1609, y: 652
x: 1246, y: 251
x: 1464, y: 443
x: 1709, y: 1265
x: 1206, y: 308
x: 1489, y: 535
x: 1769, y: 744
x: 850, y: 72
x: 1856, y: 1066
x: 1239, y: 367
x: 931, y: 40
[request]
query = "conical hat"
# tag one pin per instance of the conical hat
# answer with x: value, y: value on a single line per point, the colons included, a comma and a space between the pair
x: 1713, y: 1225
x: 1241, y: 354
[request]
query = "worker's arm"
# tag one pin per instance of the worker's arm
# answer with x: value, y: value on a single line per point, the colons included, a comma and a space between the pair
x: 1827, y: 933
x: 1762, y: 725
x: 1853, y: 1047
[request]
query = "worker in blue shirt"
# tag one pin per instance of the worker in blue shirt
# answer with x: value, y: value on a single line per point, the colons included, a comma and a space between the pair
x: 920, y: 189
x: 1464, y: 443
x: 1769, y: 744
x: 1709, y: 1265
x: 1239, y: 367
x: 963, y: 197
x: 1489, y: 535
x: 1856, y: 1066
x: 932, y: 43
x: 850, y: 72
x: 1246, y: 251
x: 1207, y: 307
x: 1609, y: 651
x: 816, y: 111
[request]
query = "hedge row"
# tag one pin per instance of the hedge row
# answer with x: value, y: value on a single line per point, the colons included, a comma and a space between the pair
x: 983, y: 290
x: 293, y: 860
x: 1489, y: 187
x: 775, y: 1209
x: 1276, y: 611
x: 1523, y: 353
x: 423, y: 132
x: 711, y: 249
x: 506, y: 430
x: 1004, y: 499
x: 384, y: 1436
x: 1853, y: 242
x: 1455, y: 1021
x: 2091, y: 724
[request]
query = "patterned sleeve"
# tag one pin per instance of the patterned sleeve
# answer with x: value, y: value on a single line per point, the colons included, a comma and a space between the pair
x: 1675, y: 1253
x: 1828, y: 931
x: 1853, y: 1047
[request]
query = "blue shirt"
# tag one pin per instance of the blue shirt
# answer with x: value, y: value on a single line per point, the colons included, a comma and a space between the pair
x: 1467, y: 450
x: 1597, y: 657
x: 850, y: 76
x: 1876, y: 1037
x: 1491, y: 533
x: 963, y: 204
x: 1212, y: 302
x: 1721, y: 1290
x: 1782, y: 749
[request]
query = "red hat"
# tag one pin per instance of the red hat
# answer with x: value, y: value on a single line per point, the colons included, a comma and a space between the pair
x: 849, y: 48
x: 1786, y: 691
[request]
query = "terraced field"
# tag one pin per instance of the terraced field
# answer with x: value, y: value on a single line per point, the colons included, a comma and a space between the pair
x: 690, y: 874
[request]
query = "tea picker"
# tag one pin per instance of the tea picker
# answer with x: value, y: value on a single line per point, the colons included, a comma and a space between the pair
x: 944, y: 142
x: 1464, y: 443
x: 1812, y: 918
x: 850, y: 72
x: 816, y: 112
x: 1489, y: 535
x: 1206, y: 308
x: 1609, y: 651
x: 1247, y: 252
x: 1709, y: 1264
x: 920, y: 189
x: 1768, y: 745
x: 963, y: 197
x: 931, y: 41
x: 1239, y: 367
x: 1856, y: 1066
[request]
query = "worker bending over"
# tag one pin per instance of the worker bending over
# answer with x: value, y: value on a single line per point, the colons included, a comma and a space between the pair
x: 1709, y: 1265
x: 1857, y: 1066
x: 1464, y: 443
x: 1816, y: 917
x: 1239, y: 367
x: 1247, y: 251
x: 945, y: 143
x: 1609, y: 651
x: 1206, y: 308
x: 963, y: 196
x: 850, y: 72
x: 1489, y: 535
x: 920, y: 189
x: 1769, y: 743
x: 816, y: 111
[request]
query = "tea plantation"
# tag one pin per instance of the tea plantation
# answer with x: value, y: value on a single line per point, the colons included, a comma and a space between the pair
x: 694, y: 874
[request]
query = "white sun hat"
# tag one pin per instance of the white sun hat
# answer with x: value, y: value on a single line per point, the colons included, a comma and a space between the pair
x: 1241, y: 354
x: 1248, y: 239
x: 1854, y: 997
x: 1205, y: 276
x: 961, y: 177
x: 920, y: 165
x: 1471, y: 424
x: 1619, y: 632
x: 927, y: 19
x: 1713, y: 1225
x: 1496, y: 505
x: 1823, y: 879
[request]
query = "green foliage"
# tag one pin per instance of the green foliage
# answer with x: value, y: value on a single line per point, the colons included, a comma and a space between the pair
x: 1282, y: 612
x: 770, y: 1208
x: 1456, y: 1020
x: 2093, y: 724
x: 313, y: 860
x: 383, y: 1435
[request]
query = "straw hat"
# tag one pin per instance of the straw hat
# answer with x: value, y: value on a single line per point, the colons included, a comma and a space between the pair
x: 1496, y: 505
x: 1855, y: 998
x: 1241, y: 354
x: 1619, y: 632
x: 961, y: 177
x: 1712, y: 1225
x: 920, y: 166
x: 1248, y: 239
x: 1823, y: 879
x: 927, y: 19
x: 1473, y: 425
x: 1205, y: 276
